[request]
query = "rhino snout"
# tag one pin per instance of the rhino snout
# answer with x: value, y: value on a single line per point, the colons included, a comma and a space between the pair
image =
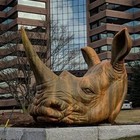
x: 49, y: 108
x: 58, y: 105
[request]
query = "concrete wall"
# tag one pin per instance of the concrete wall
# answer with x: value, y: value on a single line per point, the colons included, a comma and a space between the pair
x: 70, y: 133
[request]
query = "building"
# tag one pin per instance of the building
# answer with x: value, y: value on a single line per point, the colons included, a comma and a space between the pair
x: 105, y: 18
x: 13, y: 15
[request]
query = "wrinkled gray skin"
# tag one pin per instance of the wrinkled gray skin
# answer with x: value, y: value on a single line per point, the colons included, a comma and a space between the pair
x: 94, y: 98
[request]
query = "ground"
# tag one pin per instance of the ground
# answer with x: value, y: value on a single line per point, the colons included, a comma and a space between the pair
x: 19, y: 119
x: 16, y: 119
x: 129, y: 116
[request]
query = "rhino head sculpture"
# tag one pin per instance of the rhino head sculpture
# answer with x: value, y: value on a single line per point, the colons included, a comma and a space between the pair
x: 94, y: 98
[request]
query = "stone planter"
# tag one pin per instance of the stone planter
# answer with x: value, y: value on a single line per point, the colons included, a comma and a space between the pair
x: 70, y: 133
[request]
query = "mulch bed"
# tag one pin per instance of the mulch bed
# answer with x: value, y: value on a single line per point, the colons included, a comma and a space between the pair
x: 16, y: 119
x: 19, y: 119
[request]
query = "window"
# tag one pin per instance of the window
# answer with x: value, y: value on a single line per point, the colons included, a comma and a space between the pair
x: 93, y: 25
x: 105, y: 48
x: 92, y: 1
x: 94, y: 38
x: 31, y: 16
x: 102, y: 21
x: 93, y: 11
x: 135, y: 50
x: 32, y: 3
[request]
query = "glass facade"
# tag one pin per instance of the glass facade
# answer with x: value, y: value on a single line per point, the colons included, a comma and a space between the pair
x: 70, y: 14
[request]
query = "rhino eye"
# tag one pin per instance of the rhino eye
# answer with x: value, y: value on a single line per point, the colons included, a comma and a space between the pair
x: 88, y: 91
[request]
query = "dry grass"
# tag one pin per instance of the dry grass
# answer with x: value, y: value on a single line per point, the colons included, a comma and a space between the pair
x: 129, y: 117
x: 130, y: 138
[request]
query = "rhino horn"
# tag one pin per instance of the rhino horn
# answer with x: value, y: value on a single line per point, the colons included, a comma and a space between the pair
x: 90, y: 56
x: 121, y: 46
x: 41, y: 71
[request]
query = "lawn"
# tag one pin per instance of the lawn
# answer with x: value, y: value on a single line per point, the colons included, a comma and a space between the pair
x: 130, y: 138
x: 129, y: 117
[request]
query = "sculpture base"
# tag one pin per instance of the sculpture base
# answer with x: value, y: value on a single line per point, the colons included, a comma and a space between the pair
x: 71, y: 133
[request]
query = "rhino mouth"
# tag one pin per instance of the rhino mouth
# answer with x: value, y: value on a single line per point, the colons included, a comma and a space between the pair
x: 57, y: 110
x: 48, y: 108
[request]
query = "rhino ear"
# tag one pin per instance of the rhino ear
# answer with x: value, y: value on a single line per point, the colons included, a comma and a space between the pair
x: 121, y: 46
x: 90, y: 56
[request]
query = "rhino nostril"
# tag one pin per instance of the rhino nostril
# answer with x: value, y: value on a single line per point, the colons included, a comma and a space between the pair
x: 56, y: 106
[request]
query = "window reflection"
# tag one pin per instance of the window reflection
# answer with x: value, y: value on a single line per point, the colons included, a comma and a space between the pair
x: 32, y: 3
x: 135, y: 50
x: 72, y: 14
x: 31, y: 16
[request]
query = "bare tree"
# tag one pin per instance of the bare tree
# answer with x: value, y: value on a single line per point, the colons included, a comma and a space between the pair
x: 14, y: 71
x: 54, y: 49
x: 20, y: 79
